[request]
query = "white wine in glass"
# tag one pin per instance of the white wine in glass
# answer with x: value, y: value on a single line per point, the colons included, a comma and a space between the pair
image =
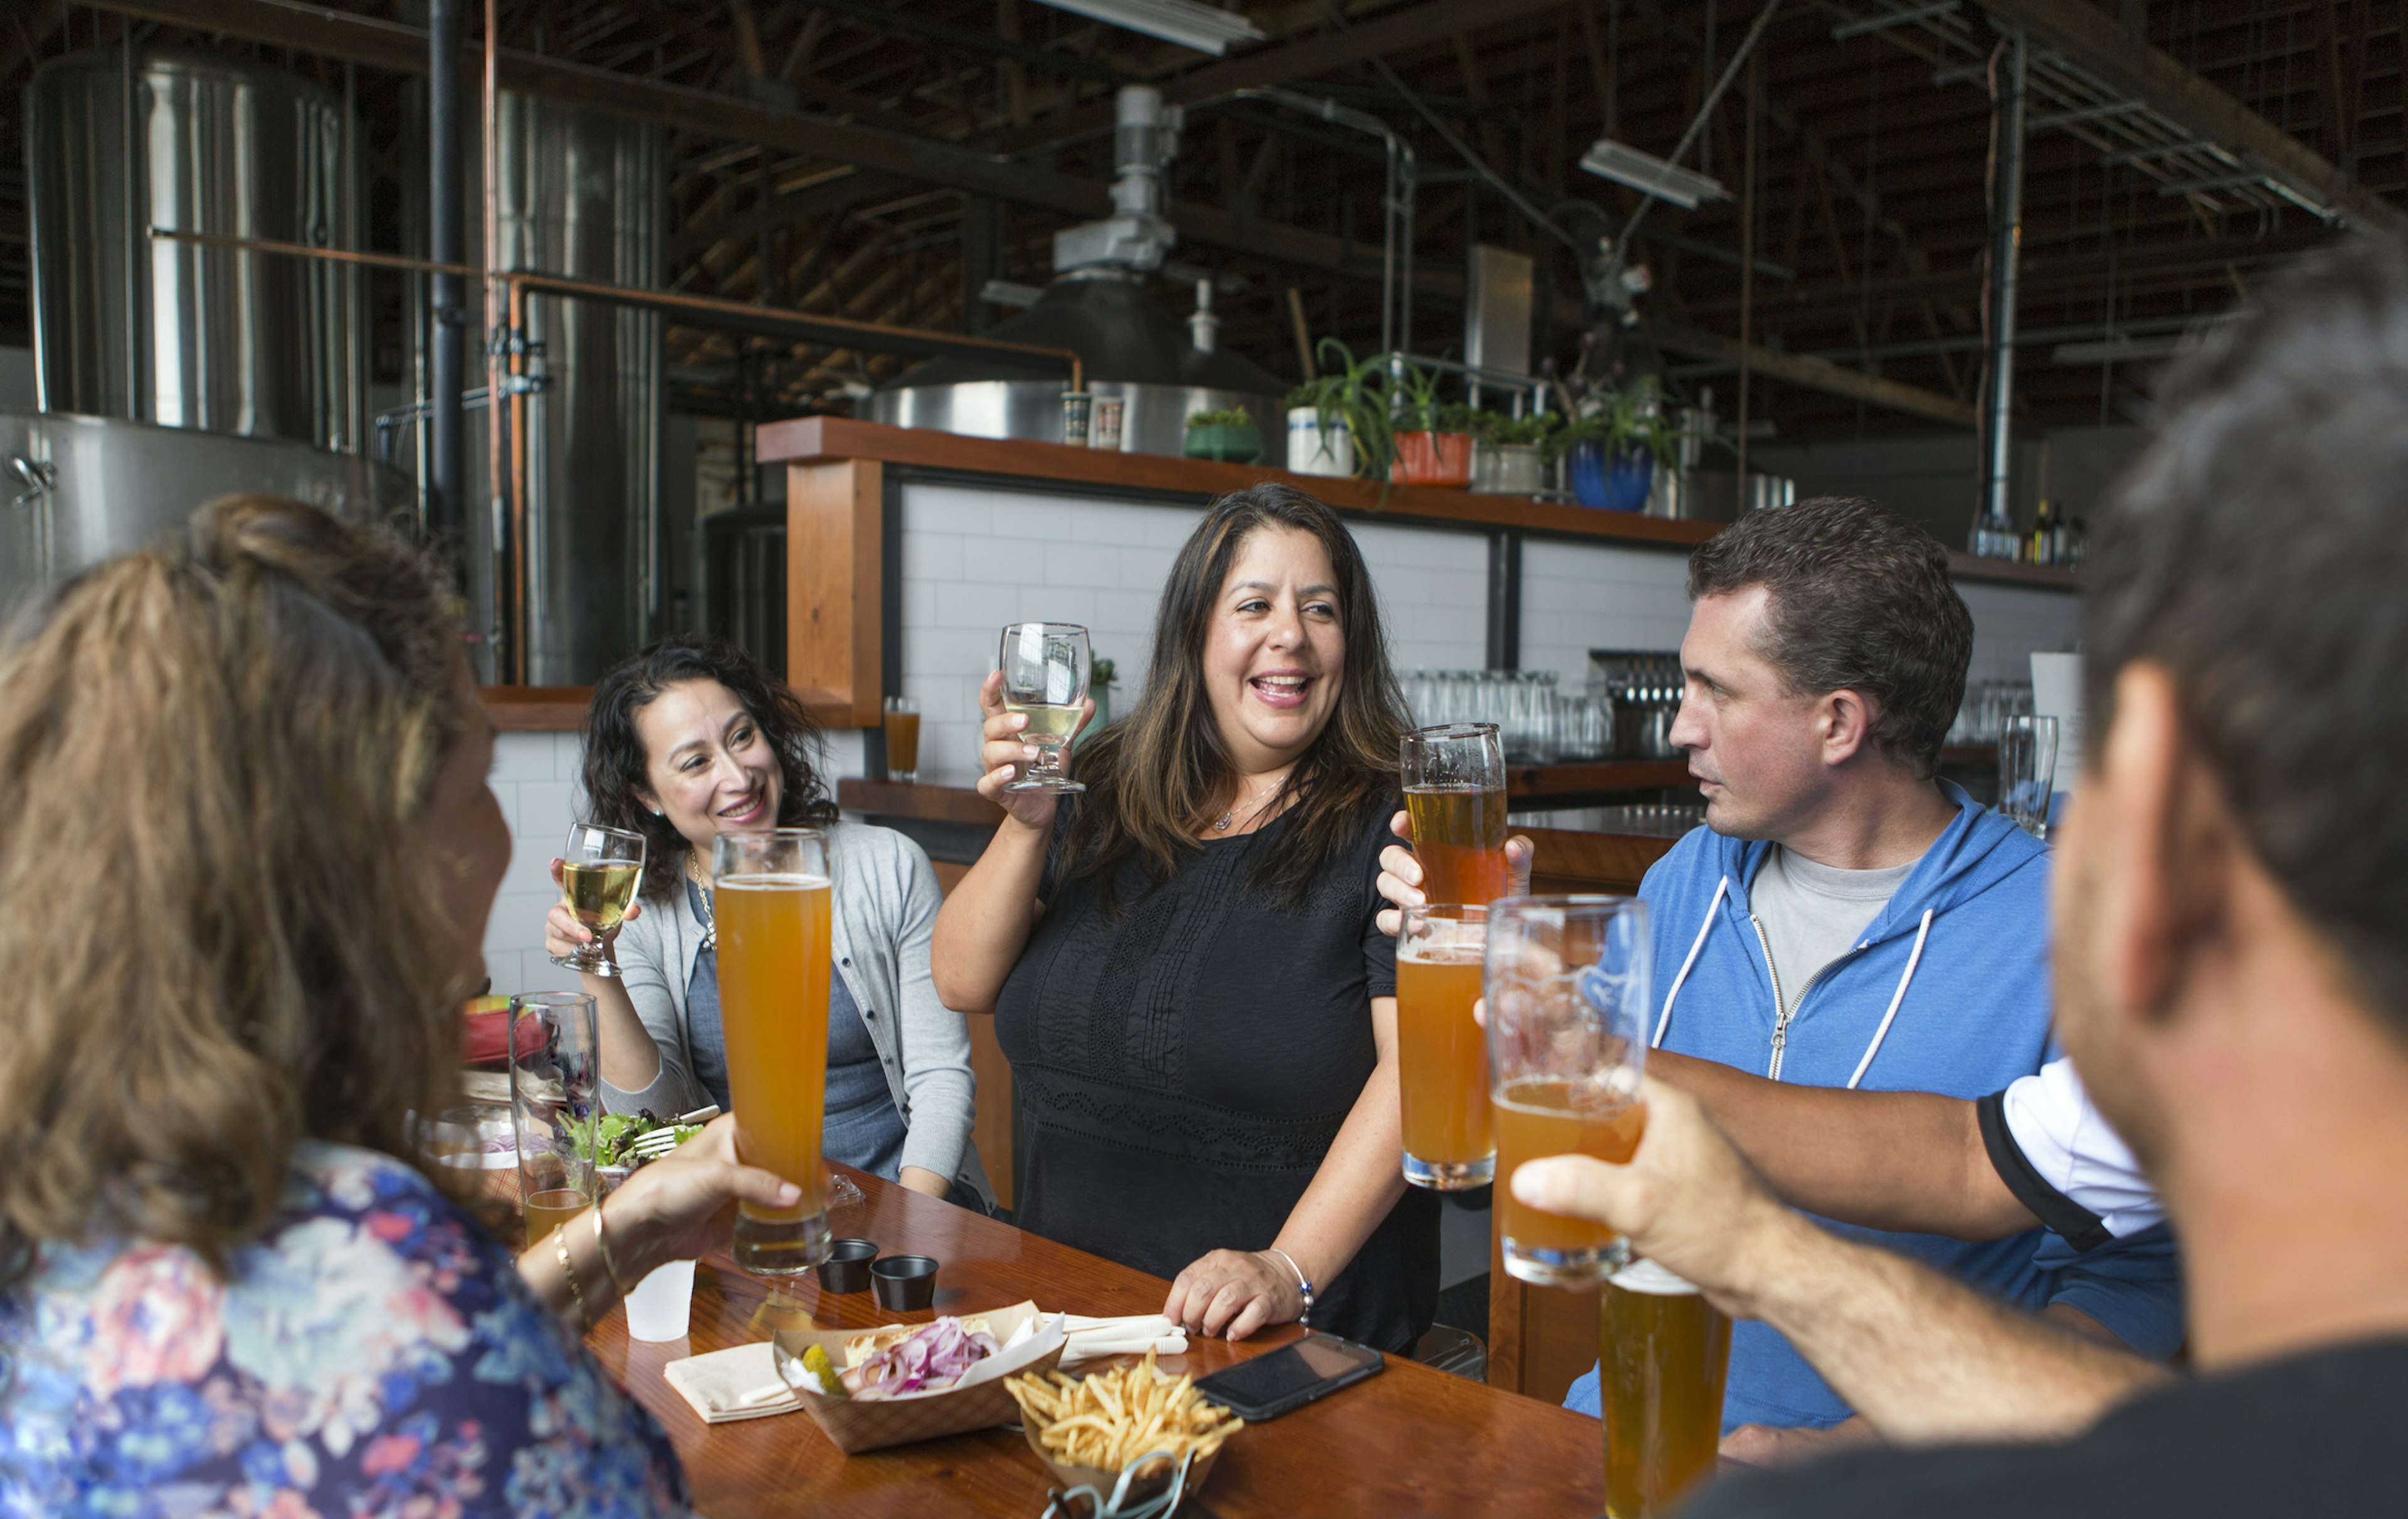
x: 1046, y: 667
x: 600, y: 872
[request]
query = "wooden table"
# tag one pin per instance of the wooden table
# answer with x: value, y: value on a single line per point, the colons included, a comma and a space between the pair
x: 1411, y: 1440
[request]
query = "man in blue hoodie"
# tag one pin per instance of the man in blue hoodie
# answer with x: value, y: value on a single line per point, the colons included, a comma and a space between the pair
x: 1846, y: 918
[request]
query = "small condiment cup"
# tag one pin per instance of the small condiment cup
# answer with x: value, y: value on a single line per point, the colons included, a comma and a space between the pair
x: 904, y: 1282
x: 847, y: 1267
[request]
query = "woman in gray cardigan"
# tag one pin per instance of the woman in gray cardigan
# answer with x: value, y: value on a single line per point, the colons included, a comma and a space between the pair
x: 688, y: 740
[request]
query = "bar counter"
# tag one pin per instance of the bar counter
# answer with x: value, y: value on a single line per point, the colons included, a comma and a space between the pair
x: 1411, y: 1440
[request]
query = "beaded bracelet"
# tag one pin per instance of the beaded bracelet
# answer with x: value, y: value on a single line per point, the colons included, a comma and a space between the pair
x: 1303, y: 1283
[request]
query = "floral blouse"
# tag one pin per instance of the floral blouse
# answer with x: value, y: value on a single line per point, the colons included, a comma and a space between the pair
x: 373, y: 1354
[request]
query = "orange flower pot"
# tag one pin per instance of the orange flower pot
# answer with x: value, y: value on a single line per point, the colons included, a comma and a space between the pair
x: 1432, y: 459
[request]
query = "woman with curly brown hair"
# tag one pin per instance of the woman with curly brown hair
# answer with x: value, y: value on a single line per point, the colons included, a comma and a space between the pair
x: 245, y: 867
x: 688, y: 740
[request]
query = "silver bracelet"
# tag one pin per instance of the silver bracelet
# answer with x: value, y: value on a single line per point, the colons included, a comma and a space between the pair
x: 1303, y: 1283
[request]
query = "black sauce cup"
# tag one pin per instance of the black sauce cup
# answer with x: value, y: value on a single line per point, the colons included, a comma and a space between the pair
x: 904, y: 1282
x: 847, y: 1267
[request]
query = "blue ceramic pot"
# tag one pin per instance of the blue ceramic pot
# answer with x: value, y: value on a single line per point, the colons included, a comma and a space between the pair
x: 1618, y: 485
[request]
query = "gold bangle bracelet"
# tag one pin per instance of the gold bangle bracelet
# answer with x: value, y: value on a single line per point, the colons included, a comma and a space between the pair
x: 602, y: 1248
x: 560, y: 1248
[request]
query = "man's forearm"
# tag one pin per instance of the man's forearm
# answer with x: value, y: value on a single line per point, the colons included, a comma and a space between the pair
x: 1910, y: 1162
x: 1928, y: 1359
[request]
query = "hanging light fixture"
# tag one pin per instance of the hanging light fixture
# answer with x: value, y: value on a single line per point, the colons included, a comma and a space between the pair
x: 1649, y: 175
x: 1204, y: 28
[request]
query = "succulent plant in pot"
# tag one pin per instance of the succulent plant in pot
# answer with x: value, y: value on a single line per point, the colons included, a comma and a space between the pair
x: 1509, y: 454
x: 1338, y: 421
x: 1613, y: 449
x: 1229, y: 435
x: 1433, y: 440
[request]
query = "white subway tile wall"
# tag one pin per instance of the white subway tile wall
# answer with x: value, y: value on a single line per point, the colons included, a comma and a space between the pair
x: 975, y: 560
x: 1579, y: 597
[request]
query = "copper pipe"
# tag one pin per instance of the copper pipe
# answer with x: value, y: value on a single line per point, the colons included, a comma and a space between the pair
x: 333, y: 256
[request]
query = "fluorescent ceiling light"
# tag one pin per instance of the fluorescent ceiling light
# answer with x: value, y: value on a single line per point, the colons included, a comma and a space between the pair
x: 1204, y: 28
x: 1649, y: 175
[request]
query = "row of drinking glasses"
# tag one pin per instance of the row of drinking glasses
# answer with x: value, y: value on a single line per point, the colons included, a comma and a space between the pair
x: 1987, y: 705
x: 1538, y: 721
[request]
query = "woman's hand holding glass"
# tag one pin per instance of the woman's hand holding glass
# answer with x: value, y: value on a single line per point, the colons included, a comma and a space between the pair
x: 1004, y: 753
x: 1233, y: 1293
x: 563, y: 935
x: 1400, y: 872
x: 682, y: 1206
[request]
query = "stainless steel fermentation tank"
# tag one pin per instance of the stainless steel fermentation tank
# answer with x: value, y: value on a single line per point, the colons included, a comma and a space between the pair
x: 219, y: 339
x: 582, y: 195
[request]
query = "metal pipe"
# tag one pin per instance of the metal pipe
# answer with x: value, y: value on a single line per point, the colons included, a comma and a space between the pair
x: 447, y: 486
x: 137, y: 252
x: 509, y: 593
x: 355, y: 365
x: 1698, y: 125
x: 2006, y: 248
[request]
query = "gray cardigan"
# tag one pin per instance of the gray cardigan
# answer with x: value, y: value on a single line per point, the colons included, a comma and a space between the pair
x: 886, y: 901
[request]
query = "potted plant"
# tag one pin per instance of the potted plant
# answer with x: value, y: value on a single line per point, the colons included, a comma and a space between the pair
x: 1229, y: 436
x: 1613, y: 449
x: 1433, y: 441
x: 1509, y: 454
x: 1337, y: 422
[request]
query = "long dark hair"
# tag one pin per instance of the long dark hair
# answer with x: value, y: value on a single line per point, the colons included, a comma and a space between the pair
x: 617, y: 767
x: 1162, y: 772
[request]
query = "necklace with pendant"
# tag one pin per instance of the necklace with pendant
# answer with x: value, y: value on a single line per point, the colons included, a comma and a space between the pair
x: 1231, y: 816
x: 702, y: 894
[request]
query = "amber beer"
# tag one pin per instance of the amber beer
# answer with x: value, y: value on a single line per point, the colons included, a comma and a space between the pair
x: 1442, y: 1062
x: 1459, y: 838
x: 1540, y: 1117
x: 549, y: 1209
x: 1666, y: 1353
x: 902, y: 738
x: 1453, y: 780
x: 772, y: 900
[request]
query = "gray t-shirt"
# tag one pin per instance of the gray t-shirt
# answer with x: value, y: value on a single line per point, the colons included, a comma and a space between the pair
x: 1814, y: 913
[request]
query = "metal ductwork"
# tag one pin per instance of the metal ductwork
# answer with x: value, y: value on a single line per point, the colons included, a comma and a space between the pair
x: 1100, y: 305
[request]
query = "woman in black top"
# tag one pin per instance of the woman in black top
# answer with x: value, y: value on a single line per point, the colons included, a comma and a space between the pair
x: 1184, y: 964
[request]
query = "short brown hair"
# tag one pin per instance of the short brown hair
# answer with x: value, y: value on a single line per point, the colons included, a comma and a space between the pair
x: 1860, y: 600
x: 218, y: 917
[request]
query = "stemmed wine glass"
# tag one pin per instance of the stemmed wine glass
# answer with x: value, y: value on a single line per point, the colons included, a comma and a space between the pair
x: 600, y: 872
x: 1045, y: 669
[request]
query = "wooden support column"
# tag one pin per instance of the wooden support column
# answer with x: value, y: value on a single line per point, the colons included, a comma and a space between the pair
x: 835, y: 588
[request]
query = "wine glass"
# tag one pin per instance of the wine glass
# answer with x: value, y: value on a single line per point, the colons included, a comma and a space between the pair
x: 1045, y: 669
x: 600, y: 870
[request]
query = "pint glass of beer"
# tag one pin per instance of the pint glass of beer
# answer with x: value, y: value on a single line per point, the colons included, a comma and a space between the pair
x: 555, y: 1106
x: 772, y: 894
x: 1567, y: 981
x: 1666, y: 1353
x: 1441, y: 1063
x: 1455, y: 792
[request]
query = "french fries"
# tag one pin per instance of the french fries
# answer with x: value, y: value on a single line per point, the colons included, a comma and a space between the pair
x: 1107, y: 1419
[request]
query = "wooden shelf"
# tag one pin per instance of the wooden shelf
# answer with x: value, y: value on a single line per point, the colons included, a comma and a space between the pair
x: 1587, y: 778
x: 536, y: 708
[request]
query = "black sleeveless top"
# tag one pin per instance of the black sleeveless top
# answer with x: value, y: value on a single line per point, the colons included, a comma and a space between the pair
x: 1181, y: 1068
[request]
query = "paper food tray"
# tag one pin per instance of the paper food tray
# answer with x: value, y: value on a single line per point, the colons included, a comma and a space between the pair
x: 977, y: 1401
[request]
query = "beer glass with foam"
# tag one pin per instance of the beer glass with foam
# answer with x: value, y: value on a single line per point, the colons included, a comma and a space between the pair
x: 555, y: 1106
x: 1666, y: 1355
x: 1566, y: 979
x: 1441, y: 1063
x: 1454, y: 792
x: 772, y: 897
x: 1045, y: 669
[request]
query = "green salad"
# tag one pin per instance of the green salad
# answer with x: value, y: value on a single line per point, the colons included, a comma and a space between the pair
x: 613, y: 1140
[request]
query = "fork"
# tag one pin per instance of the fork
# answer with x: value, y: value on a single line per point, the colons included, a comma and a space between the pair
x: 660, y: 1141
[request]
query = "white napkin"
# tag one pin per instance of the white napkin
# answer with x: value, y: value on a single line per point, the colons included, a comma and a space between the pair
x: 729, y: 1385
x: 1092, y: 1338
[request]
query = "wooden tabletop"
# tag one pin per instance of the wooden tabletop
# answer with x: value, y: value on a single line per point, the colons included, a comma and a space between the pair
x: 1411, y: 1440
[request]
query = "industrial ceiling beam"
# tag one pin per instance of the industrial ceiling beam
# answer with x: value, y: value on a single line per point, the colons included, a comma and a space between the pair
x: 2090, y: 38
x: 1813, y: 373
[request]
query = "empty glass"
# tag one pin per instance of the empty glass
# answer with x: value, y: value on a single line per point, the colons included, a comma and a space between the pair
x: 555, y: 1105
x: 1046, y: 667
x: 2028, y: 772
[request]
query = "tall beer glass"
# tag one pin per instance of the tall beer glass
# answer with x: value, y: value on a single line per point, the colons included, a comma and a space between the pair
x: 1441, y: 1063
x: 1666, y: 1354
x: 1455, y: 792
x: 555, y: 1106
x: 773, y: 892
x: 1045, y: 669
x: 1567, y: 982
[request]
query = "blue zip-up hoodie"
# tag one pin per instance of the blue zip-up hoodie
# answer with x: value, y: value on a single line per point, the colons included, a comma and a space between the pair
x: 1947, y: 991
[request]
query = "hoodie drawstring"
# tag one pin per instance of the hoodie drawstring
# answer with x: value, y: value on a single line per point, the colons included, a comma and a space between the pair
x: 1721, y: 889
x: 1900, y: 995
